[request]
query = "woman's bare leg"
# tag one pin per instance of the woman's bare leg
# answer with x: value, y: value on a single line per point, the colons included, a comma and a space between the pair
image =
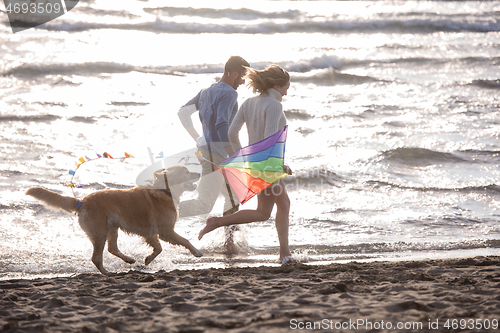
x: 266, y: 200
x: 282, y: 219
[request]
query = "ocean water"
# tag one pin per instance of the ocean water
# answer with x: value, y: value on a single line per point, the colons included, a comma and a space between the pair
x: 393, y: 113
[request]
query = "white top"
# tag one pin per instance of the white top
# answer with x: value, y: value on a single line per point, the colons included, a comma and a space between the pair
x: 263, y: 115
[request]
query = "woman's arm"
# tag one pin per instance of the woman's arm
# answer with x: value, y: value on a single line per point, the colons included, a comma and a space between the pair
x: 273, y: 115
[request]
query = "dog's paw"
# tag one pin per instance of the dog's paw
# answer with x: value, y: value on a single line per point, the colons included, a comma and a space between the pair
x: 198, y: 254
x: 149, y: 259
x: 129, y: 260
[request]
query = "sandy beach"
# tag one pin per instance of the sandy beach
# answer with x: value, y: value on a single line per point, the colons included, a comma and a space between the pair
x: 411, y: 296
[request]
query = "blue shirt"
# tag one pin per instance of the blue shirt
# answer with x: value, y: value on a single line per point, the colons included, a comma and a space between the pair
x: 217, y: 106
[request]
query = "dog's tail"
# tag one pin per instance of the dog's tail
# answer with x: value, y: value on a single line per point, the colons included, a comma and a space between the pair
x: 52, y: 199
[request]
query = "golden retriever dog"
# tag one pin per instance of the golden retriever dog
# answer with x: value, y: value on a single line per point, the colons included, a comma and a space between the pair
x: 150, y: 212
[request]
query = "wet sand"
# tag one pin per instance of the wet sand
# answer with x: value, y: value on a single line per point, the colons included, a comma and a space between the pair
x: 409, y: 296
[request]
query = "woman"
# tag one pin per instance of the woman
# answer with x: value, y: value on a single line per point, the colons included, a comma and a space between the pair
x: 263, y: 115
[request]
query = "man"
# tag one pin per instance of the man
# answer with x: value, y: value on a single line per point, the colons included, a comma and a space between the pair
x: 217, y: 106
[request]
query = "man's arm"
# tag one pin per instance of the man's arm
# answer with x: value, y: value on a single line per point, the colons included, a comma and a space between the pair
x: 185, y: 113
x: 185, y: 116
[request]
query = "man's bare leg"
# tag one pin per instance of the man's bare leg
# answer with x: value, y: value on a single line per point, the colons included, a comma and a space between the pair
x: 230, y: 247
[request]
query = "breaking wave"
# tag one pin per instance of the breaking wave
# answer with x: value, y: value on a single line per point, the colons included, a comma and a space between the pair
x: 303, y: 25
x: 489, y: 84
x: 235, y: 14
x: 322, y: 70
x: 47, y: 118
x: 418, y: 157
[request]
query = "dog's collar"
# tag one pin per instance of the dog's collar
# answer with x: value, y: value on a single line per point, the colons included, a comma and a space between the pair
x: 167, y: 193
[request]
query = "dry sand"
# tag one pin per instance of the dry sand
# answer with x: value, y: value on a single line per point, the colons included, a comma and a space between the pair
x: 263, y: 299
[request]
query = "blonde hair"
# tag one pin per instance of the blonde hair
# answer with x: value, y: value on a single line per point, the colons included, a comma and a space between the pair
x: 267, y: 78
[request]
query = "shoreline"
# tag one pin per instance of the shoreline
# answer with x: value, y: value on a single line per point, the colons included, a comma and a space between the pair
x: 218, y: 260
x: 257, y: 299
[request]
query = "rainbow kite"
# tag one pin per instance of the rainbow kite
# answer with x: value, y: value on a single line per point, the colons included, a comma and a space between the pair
x: 253, y: 168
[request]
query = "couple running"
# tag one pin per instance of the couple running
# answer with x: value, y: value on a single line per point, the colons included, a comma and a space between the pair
x: 221, y: 121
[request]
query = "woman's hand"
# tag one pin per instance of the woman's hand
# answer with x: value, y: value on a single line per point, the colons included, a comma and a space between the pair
x: 287, y: 169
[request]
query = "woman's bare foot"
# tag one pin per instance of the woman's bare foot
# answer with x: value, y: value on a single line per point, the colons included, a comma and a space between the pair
x: 286, y: 254
x: 210, y: 226
x: 287, y: 260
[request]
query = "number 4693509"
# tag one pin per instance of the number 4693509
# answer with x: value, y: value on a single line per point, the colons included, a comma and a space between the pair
x: 33, y: 8
x: 471, y: 324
